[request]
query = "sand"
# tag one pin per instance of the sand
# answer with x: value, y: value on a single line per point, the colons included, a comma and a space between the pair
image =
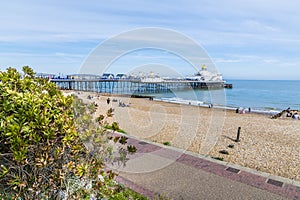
x: 267, y: 145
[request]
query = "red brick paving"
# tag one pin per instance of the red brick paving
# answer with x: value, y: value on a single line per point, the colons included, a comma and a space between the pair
x: 287, y: 190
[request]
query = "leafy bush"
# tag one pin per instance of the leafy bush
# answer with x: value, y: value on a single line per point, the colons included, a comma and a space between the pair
x: 50, y: 146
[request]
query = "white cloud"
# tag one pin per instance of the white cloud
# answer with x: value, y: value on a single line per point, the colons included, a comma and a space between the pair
x: 266, y: 29
x: 222, y: 60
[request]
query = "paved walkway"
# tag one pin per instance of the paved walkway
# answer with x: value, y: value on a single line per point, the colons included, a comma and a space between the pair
x: 158, y: 170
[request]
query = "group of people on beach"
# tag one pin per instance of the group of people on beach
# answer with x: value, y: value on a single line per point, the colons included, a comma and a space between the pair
x: 243, y: 110
x: 121, y: 104
x: 291, y: 114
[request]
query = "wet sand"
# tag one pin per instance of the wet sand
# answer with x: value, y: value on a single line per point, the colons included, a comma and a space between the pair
x: 267, y: 145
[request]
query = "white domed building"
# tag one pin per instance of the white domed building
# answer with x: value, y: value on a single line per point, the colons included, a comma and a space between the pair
x: 206, y: 76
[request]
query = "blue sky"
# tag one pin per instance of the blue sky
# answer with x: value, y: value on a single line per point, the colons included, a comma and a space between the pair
x: 245, y: 39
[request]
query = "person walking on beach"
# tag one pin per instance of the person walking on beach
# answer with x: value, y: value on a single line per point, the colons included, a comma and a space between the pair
x: 108, y: 100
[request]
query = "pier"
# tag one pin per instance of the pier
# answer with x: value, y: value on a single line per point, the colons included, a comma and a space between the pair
x: 131, y: 86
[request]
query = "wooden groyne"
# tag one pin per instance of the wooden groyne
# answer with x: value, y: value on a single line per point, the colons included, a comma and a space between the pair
x: 134, y: 86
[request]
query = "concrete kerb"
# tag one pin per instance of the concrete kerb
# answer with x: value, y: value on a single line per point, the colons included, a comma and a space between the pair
x: 225, y: 164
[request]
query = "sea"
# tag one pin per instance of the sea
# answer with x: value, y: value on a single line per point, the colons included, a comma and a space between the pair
x: 269, y: 96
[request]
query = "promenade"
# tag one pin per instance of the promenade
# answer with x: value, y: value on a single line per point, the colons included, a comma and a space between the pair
x: 157, y: 170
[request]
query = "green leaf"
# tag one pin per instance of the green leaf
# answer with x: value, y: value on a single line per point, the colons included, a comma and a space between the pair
x: 3, y: 171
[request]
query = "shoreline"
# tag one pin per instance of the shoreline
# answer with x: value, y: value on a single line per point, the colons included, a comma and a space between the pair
x: 271, y: 111
x: 205, y: 105
x: 267, y: 145
x: 185, y: 102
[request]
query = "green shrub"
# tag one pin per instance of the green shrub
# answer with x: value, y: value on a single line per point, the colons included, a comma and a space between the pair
x: 167, y: 143
x: 50, y: 146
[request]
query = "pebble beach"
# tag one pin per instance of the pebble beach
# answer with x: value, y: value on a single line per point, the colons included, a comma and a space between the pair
x: 267, y: 145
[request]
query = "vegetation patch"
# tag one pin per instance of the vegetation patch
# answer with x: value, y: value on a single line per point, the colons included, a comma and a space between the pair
x: 51, y: 147
x: 167, y: 143
x: 218, y: 158
x: 131, y: 149
x: 224, y: 152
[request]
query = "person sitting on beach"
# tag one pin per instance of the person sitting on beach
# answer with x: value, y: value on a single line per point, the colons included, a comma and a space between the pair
x: 122, y: 104
x: 243, y: 111
x: 295, y: 116
x: 288, y: 114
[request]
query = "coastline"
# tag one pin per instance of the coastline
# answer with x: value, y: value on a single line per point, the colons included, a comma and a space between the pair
x: 267, y: 145
x: 205, y: 105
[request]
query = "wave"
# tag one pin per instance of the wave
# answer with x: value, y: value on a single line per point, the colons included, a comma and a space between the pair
x: 175, y: 100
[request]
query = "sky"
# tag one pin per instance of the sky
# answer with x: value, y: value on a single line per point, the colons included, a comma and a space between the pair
x: 244, y: 39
